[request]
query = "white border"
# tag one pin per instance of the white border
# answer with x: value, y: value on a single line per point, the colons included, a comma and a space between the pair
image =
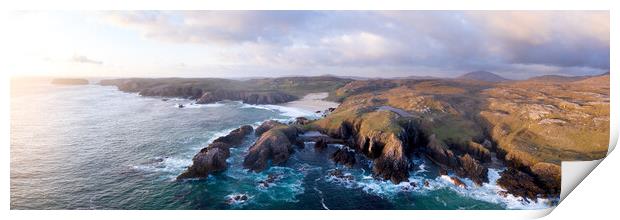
x: 282, y: 5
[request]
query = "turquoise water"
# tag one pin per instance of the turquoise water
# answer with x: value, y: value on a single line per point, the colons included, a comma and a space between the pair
x: 93, y: 147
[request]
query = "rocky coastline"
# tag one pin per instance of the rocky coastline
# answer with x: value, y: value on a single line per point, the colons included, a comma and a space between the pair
x: 211, y: 90
x: 278, y: 141
x: 463, y: 128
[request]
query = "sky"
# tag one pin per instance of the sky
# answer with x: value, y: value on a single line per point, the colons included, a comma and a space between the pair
x: 233, y: 44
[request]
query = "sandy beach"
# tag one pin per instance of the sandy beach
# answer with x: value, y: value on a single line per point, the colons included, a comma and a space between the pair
x: 312, y: 102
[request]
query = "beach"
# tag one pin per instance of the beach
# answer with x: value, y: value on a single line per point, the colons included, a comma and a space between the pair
x: 312, y: 102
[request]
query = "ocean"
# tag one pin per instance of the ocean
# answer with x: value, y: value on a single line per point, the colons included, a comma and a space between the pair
x: 94, y: 147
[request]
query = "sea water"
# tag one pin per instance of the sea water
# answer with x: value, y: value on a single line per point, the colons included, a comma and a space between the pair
x: 94, y: 147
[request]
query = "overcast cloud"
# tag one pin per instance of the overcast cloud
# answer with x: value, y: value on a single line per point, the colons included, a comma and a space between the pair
x: 514, y: 44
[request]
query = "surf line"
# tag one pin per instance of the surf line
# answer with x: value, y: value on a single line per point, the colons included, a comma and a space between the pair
x: 320, y: 194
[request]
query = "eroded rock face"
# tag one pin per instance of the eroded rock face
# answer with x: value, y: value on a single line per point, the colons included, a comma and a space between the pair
x: 520, y: 184
x: 478, y: 151
x: 274, y: 145
x: 344, y: 156
x: 236, y: 136
x: 549, y: 175
x: 266, y: 126
x: 392, y: 164
x: 213, y: 157
x: 439, y: 153
x: 472, y: 169
x: 381, y: 142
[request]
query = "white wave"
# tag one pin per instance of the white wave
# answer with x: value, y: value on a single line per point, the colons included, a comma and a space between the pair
x: 322, y: 199
x: 172, y: 98
x: 285, y: 111
x: 167, y: 165
x: 211, y: 105
x: 286, y: 187
x: 489, y: 192
x: 421, y: 166
x: 193, y: 105
x: 232, y: 200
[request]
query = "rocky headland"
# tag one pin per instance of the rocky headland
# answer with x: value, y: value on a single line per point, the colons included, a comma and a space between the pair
x: 210, y: 90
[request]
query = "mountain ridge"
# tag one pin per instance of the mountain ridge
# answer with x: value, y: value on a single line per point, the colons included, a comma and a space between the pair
x: 482, y: 75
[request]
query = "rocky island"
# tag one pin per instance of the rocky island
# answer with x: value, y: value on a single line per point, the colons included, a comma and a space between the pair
x: 464, y: 126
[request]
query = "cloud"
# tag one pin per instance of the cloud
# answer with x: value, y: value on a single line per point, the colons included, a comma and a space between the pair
x: 84, y: 59
x: 212, y: 26
x: 449, y: 41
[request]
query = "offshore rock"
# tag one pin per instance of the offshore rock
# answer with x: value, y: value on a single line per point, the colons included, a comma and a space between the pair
x: 213, y: 157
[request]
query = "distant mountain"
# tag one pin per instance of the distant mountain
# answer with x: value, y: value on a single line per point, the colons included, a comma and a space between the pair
x: 556, y: 78
x: 482, y: 76
x: 416, y: 77
x: 560, y: 78
x: 597, y: 80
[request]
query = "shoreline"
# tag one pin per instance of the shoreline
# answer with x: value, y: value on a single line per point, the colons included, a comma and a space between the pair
x: 312, y: 102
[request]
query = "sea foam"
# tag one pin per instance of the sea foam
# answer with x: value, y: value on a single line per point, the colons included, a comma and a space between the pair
x: 285, y: 111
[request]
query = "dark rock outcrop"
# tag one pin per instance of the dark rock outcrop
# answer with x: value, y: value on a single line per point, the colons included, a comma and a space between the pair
x: 236, y: 136
x: 387, y: 152
x: 302, y: 121
x: 213, y: 157
x: 439, y: 153
x: 520, y: 183
x: 473, y: 170
x: 549, y: 177
x: 237, y: 199
x: 320, y: 144
x: 273, y: 147
x: 344, y: 156
x: 393, y: 168
x: 206, y: 162
x: 271, y: 179
x: 340, y: 176
x: 386, y: 149
x: 475, y: 150
x: 458, y: 182
x: 443, y: 172
x: 266, y: 126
